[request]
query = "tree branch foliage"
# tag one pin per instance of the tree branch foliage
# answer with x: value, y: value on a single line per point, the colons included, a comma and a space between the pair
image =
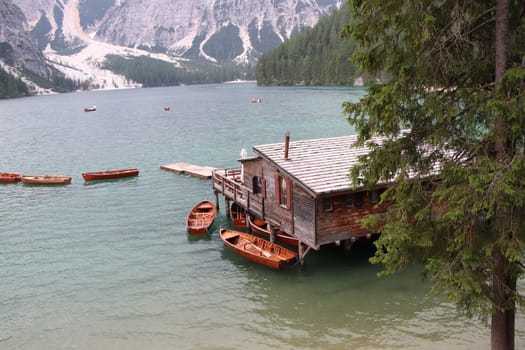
x: 439, y: 108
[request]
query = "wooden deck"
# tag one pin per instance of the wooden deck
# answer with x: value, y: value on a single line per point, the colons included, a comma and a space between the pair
x: 202, y: 172
x: 228, y: 183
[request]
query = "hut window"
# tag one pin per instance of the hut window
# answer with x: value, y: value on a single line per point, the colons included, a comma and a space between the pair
x: 256, y: 184
x: 327, y: 204
x: 349, y: 201
x: 374, y: 196
x: 283, y: 189
x: 358, y: 199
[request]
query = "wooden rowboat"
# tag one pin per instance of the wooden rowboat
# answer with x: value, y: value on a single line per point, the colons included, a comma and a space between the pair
x: 10, y: 177
x: 200, y: 218
x: 262, y: 228
x: 110, y: 174
x: 257, y: 249
x: 46, y: 179
x: 238, y: 216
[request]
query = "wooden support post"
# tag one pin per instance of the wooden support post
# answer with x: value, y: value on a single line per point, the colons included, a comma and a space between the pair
x: 347, y: 244
x: 272, y: 232
x: 227, y: 204
x: 217, y: 199
x: 301, y: 255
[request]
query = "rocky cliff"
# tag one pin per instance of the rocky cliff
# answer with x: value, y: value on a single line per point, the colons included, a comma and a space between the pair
x: 18, y: 49
x: 76, y: 35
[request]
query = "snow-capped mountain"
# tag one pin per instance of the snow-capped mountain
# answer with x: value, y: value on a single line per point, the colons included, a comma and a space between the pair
x: 75, y: 35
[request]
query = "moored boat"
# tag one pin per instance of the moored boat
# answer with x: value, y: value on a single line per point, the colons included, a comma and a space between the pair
x: 110, y: 174
x: 10, y: 177
x: 238, y: 216
x: 200, y: 218
x: 257, y: 249
x: 46, y: 179
x: 262, y: 228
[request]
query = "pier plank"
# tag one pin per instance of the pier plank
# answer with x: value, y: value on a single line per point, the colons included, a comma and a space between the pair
x: 202, y: 172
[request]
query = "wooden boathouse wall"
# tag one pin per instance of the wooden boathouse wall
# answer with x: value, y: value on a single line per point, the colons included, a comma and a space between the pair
x: 297, y: 219
x: 307, y: 218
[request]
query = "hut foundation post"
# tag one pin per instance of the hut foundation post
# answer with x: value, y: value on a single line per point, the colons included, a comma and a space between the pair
x: 272, y: 232
x: 227, y: 204
x: 301, y: 254
x: 217, y: 199
x: 347, y: 245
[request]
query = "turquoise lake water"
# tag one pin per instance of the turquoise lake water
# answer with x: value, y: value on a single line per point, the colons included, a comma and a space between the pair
x: 108, y: 265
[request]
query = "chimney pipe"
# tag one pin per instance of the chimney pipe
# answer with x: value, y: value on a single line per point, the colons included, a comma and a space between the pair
x: 286, y: 144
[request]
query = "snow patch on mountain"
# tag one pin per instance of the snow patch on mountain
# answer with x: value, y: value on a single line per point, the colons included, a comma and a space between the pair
x: 170, y: 30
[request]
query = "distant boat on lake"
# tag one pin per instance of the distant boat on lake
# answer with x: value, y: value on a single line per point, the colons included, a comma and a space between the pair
x: 110, y: 174
x: 46, y: 179
x: 90, y: 109
x: 10, y: 177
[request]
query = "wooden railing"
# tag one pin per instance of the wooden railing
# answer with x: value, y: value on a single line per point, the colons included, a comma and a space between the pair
x: 228, y: 182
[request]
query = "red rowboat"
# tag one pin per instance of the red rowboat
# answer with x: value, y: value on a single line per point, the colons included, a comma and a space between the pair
x: 10, y: 177
x: 200, y: 218
x: 238, y: 216
x: 262, y: 228
x: 110, y: 174
x: 257, y: 249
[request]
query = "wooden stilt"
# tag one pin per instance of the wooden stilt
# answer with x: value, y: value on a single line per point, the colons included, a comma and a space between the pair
x: 227, y: 204
x: 216, y: 199
x: 272, y: 232
x: 301, y: 254
x: 347, y: 245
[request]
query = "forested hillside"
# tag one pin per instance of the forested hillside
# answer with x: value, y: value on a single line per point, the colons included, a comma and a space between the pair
x: 152, y: 72
x: 11, y: 86
x: 314, y: 56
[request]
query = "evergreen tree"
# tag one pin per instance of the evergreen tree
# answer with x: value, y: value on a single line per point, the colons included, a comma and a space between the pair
x: 11, y: 86
x: 317, y: 55
x: 458, y: 87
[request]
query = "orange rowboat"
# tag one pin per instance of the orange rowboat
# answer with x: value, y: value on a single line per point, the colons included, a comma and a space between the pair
x: 238, y: 216
x: 10, y: 177
x: 46, y: 179
x: 257, y: 249
x: 261, y: 227
x: 110, y: 174
x: 200, y: 218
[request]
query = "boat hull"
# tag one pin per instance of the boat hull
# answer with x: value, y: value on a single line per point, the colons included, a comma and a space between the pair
x: 110, y: 174
x: 10, y: 177
x: 258, y: 250
x: 261, y: 227
x: 238, y: 216
x: 201, y: 218
x: 46, y: 179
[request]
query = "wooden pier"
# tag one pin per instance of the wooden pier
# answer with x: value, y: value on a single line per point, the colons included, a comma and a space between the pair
x: 202, y: 172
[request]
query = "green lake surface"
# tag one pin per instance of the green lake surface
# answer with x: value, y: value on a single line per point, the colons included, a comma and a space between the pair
x: 109, y: 265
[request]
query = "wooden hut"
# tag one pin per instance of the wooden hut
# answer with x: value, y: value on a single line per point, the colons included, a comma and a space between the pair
x: 303, y: 187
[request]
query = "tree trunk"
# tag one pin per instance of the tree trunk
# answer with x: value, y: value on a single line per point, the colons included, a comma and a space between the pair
x: 504, y: 308
x: 503, y: 277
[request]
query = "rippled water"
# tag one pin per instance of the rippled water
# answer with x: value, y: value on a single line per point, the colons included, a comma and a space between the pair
x: 109, y: 265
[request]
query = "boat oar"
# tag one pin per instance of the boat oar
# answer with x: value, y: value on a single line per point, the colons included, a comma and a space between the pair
x: 262, y: 251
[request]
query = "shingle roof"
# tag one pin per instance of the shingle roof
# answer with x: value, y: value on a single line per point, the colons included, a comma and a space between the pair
x: 322, y: 165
